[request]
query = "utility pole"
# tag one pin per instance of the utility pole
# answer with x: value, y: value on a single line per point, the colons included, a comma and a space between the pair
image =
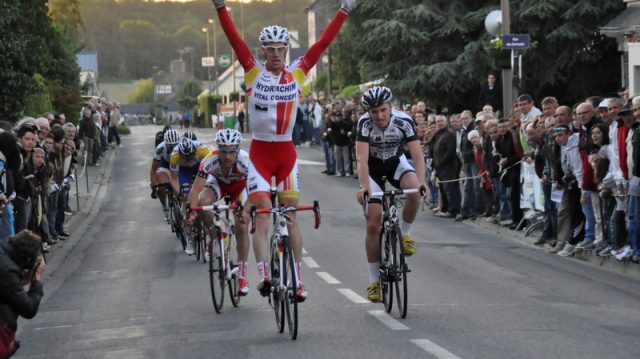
x: 507, y: 73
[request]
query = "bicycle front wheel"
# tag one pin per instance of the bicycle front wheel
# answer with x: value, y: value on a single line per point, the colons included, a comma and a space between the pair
x: 400, y: 273
x: 216, y: 272
x: 276, y: 298
x: 386, y: 283
x: 232, y: 255
x: 291, y: 284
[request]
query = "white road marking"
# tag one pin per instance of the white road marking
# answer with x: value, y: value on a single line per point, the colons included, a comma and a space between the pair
x: 387, y: 320
x: 353, y: 296
x: 328, y: 278
x: 55, y: 327
x: 310, y: 262
x: 307, y: 162
x: 434, y: 349
x: 304, y: 251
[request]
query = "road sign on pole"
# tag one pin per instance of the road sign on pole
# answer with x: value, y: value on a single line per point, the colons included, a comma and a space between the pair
x: 224, y: 60
x: 516, y: 42
x: 208, y: 61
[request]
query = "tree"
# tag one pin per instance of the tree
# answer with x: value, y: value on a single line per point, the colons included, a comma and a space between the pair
x: 39, y: 101
x: 435, y: 50
x: 142, y: 92
x: 188, y: 97
x: 31, y: 45
x: 66, y: 15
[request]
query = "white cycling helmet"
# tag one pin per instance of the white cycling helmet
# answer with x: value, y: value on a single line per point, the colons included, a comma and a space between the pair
x: 274, y: 33
x: 375, y: 97
x: 186, y: 148
x: 171, y: 137
x: 228, y: 137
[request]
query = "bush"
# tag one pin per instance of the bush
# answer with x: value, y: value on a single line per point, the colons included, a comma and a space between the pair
x: 124, y: 130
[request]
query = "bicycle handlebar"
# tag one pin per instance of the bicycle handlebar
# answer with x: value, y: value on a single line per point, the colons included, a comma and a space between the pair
x: 284, y: 210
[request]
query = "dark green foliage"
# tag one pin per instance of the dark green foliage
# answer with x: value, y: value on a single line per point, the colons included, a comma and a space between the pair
x: 30, y: 45
x: 436, y: 50
x: 188, y: 97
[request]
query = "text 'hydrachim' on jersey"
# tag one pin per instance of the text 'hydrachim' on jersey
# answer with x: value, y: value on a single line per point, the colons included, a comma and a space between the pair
x: 385, y: 145
x: 210, y: 165
x: 273, y: 101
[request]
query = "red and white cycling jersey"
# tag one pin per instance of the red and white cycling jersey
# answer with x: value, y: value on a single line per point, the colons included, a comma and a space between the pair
x: 273, y: 99
x: 210, y: 166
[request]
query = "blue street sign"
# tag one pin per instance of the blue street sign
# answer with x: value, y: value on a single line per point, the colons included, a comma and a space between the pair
x: 515, y: 42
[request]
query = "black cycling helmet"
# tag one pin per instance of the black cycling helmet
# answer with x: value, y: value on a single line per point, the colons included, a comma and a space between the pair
x: 166, y: 128
x: 190, y: 135
x: 186, y: 148
x: 375, y: 97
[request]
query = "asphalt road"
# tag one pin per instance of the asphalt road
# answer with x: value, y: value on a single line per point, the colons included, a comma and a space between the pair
x: 127, y: 291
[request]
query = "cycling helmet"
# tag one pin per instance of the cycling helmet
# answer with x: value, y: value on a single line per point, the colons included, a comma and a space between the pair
x: 190, y: 135
x: 186, y: 148
x: 166, y: 128
x: 274, y: 33
x: 171, y: 137
x: 375, y: 97
x: 228, y: 137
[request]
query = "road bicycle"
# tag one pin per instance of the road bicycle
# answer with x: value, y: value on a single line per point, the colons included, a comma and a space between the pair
x: 393, y: 265
x: 173, y: 215
x: 223, y: 256
x: 284, y: 279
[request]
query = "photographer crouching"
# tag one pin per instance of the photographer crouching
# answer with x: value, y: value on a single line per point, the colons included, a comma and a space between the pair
x: 21, y: 263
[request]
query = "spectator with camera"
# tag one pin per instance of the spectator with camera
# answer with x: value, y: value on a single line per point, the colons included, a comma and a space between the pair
x: 21, y: 263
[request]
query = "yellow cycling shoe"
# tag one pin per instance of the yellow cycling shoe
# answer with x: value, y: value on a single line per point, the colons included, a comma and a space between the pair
x: 409, y: 245
x: 373, y: 292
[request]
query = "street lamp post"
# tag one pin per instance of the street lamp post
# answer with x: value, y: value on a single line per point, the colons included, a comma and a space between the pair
x: 204, y: 29
x: 215, y: 54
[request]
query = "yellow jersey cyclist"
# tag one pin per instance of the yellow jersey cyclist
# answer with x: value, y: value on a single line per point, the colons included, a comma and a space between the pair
x: 382, y: 133
x: 160, y: 172
x: 184, y: 163
x: 224, y: 173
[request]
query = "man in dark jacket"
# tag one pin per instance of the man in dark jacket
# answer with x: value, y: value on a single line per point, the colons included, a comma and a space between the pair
x: 20, y: 263
x: 491, y: 93
x: 447, y: 167
x: 511, y: 154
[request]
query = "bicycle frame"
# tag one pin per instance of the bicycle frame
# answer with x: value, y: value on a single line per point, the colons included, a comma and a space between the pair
x: 224, y: 225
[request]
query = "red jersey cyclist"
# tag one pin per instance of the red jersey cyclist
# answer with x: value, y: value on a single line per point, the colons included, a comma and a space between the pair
x: 273, y: 89
x: 224, y: 172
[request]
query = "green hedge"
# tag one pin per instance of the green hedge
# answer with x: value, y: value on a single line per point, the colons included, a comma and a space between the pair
x: 124, y: 130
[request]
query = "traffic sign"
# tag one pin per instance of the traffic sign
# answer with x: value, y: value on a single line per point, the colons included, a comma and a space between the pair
x: 516, y: 42
x: 208, y: 61
x: 224, y: 60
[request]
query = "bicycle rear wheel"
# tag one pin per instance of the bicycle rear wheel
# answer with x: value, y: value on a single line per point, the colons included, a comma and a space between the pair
x: 386, y: 284
x: 276, y: 298
x: 232, y: 255
x: 291, y: 284
x: 400, y: 272
x: 216, y: 272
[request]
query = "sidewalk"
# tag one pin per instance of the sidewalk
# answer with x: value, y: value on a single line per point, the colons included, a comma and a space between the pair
x: 584, y: 256
x: 84, y: 203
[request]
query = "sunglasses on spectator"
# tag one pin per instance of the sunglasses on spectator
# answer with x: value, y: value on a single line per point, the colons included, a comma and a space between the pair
x: 275, y: 49
x: 228, y: 152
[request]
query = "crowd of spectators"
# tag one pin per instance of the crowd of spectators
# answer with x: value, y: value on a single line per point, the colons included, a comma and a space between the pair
x: 38, y: 161
x: 570, y: 170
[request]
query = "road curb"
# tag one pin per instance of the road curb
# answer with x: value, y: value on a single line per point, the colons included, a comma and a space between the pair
x: 79, y: 223
x: 587, y: 257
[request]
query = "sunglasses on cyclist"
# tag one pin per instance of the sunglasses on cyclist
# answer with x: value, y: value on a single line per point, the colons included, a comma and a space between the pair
x: 229, y: 152
x: 275, y: 49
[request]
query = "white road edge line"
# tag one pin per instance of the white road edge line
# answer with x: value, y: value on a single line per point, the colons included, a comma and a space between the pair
x: 353, y: 296
x: 387, y: 320
x: 328, y: 277
x: 434, y: 349
x: 54, y: 327
x: 310, y: 262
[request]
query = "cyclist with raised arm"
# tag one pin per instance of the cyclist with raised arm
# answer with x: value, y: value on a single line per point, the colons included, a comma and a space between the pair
x: 185, y: 162
x: 224, y: 173
x: 160, y: 172
x: 382, y: 133
x: 273, y: 90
